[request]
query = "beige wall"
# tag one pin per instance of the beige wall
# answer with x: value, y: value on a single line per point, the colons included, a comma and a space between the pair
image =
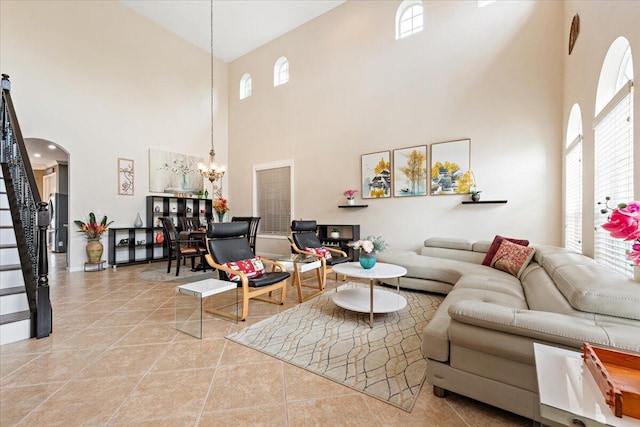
x: 103, y: 82
x: 492, y: 74
x: 601, y: 23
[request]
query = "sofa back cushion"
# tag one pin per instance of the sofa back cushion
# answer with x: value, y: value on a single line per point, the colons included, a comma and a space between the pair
x: 452, y: 248
x: 591, y: 287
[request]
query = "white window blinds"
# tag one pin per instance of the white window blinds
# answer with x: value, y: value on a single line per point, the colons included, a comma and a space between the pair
x: 273, y: 199
x: 613, y: 174
x: 573, y: 196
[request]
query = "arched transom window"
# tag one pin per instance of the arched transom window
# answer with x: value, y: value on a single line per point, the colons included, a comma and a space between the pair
x: 409, y: 18
x: 281, y: 71
x: 245, y: 86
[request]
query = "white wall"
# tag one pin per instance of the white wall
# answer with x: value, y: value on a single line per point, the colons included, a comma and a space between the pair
x: 492, y: 74
x: 104, y: 82
x: 601, y: 22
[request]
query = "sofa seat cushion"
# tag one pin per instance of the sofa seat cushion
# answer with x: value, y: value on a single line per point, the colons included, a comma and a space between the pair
x: 435, y: 343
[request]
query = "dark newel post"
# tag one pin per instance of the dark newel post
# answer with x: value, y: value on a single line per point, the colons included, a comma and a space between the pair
x: 6, y: 84
x: 44, y: 316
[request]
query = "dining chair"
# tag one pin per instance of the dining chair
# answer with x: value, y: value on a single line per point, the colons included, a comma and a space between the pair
x: 180, y: 246
x: 253, y: 228
x: 229, y: 252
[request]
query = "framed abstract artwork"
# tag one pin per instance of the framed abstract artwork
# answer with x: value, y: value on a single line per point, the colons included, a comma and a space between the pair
x: 450, y: 164
x: 376, y: 175
x: 126, y: 176
x: 174, y: 173
x: 410, y: 171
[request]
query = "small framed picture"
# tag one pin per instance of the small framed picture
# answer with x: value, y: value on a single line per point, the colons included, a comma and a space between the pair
x: 410, y: 171
x: 450, y: 164
x: 376, y: 175
x: 126, y: 175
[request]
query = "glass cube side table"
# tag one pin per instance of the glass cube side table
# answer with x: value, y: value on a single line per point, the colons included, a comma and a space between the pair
x: 189, y: 303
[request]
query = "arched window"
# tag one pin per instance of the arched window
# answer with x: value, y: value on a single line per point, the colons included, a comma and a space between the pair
x: 281, y: 71
x: 573, y: 182
x: 613, y: 150
x: 409, y: 18
x: 245, y: 86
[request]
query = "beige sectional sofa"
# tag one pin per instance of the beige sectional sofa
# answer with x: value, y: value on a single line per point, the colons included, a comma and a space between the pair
x: 480, y: 341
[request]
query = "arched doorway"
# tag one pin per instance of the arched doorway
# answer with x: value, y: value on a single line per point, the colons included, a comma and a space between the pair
x: 50, y: 164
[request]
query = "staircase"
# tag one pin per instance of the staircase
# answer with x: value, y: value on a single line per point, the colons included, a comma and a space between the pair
x: 15, y: 318
x: 25, y: 306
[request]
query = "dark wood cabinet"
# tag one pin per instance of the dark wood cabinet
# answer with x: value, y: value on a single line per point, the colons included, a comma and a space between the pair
x: 346, y: 235
x: 176, y: 207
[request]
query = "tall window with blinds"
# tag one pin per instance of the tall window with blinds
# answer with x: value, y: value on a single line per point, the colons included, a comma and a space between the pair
x: 573, y: 196
x: 273, y: 198
x: 613, y: 174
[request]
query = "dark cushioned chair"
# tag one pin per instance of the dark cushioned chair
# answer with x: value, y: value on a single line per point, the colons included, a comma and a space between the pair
x: 180, y: 246
x: 227, y: 242
x: 253, y: 228
x: 303, y: 235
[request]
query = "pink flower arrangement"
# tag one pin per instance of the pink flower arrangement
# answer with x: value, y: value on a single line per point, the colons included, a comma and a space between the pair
x: 350, y: 194
x: 624, y: 223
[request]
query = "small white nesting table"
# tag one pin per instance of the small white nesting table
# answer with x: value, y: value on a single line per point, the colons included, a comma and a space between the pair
x: 569, y: 395
x: 374, y: 300
x: 298, y: 264
x: 189, y: 303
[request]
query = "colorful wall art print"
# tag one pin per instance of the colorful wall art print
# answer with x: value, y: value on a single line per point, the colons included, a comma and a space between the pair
x: 449, y: 163
x: 376, y: 175
x: 125, y: 177
x: 410, y: 171
x: 174, y: 173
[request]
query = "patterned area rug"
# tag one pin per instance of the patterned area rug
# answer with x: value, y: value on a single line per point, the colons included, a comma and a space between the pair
x: 384, y: 362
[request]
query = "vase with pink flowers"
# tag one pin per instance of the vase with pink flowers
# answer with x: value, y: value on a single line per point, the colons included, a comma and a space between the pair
x: 624, y: 223
x: 351, y: 196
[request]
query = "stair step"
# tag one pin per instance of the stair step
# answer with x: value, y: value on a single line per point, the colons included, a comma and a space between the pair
x: 12, y: 291
x: 9, y: 256
x: 11, y: 278
x: 13, y: 303
x: 14, y: 317
x: 10, y: 267
x: 15, y: 330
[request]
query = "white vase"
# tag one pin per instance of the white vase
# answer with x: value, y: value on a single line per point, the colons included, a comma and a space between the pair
x: 351, y: 202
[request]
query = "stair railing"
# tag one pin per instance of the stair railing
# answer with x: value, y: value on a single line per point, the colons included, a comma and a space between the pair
x: 29, y: 213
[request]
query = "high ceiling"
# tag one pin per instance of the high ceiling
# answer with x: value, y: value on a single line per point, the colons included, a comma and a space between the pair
x: 239, y: 26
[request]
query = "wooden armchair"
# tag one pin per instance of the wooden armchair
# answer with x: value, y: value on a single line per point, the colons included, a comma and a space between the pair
x: 303, y: 237
x: 227, y: 243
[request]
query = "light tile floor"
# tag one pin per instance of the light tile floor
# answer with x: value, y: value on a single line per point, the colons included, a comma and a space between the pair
x: 115, y: 358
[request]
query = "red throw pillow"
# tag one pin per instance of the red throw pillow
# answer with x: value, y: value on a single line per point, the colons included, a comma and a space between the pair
x: 251, y: 267
x: 512, y: 258
x: 321, y: 252
x: 496, y: 244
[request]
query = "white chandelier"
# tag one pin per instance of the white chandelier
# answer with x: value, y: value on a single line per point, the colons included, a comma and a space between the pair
x: 213, y: 172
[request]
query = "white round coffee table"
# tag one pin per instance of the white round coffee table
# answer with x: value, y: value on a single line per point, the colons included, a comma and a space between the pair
x: 372, y: 300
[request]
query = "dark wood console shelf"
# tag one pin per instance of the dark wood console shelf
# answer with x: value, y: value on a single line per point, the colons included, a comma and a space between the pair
x: 135, y: 245
x: 347, y: 234
x: 481, y: 202
x: 353, y: 206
